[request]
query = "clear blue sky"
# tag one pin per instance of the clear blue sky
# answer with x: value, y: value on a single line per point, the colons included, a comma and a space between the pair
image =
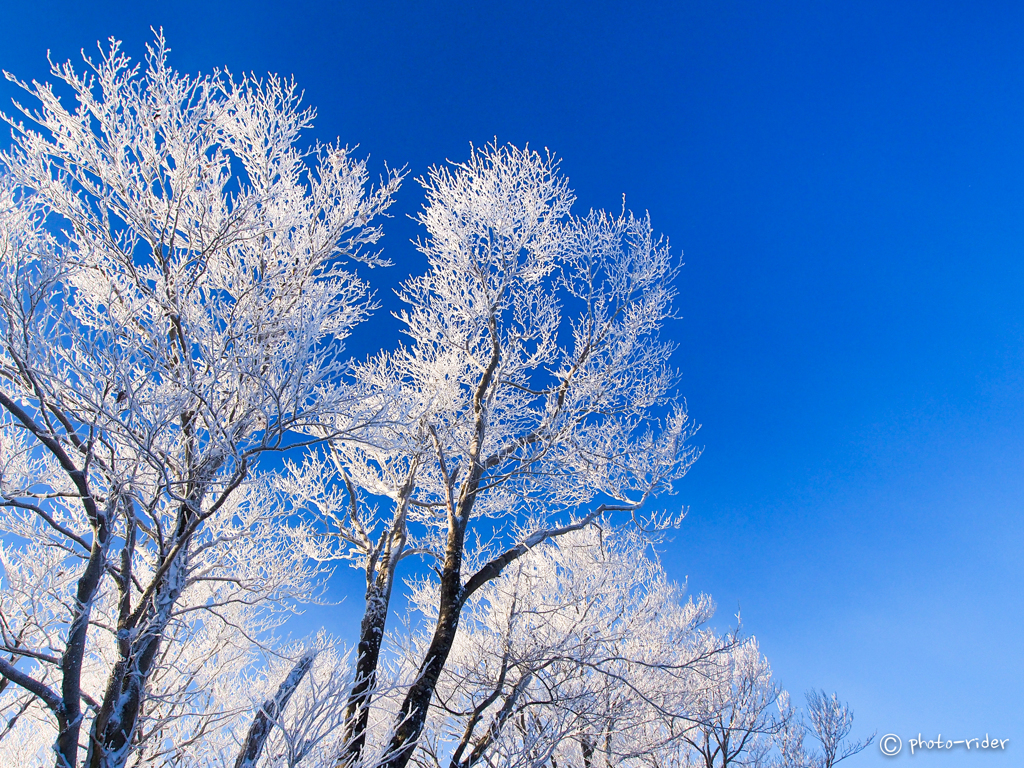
x: 847, y: 183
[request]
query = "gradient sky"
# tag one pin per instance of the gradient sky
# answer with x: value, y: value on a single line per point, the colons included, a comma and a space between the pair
x: 846, y: 181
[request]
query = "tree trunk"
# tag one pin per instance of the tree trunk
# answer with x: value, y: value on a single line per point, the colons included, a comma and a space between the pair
x: 262, y: 724
x: 371, y: 635
x: 494, y: 730
x: 371, y: 630
x: 139, y: 637
x: 70, y: 719
x: 413, y: 713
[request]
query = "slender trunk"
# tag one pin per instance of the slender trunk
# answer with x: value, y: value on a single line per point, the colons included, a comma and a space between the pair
x: 413, y: 713
x: 477, y: 713
x: 69, y: 711
x: 70, y: 719
x: 264, y: 721
x: 380, y: 579
x: 494, y: 730
x: 371, y: 634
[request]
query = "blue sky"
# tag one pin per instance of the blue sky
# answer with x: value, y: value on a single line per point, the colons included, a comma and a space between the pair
x: 846, y: 181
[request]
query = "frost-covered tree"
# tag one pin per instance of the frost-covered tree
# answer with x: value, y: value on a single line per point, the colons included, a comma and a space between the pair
x: 737, y: 714
x: 831, y: 723
x: 581, y: 653
x: 532, y: 396
x: 175, y: 289
x: 247, y: 567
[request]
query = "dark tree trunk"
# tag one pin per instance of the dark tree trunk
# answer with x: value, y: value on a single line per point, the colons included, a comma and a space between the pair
x: 114, y: 728
x: 371, y: 634
x: 495, y: 728
x: 70, y: 718
x: 380, y: 579
x: 413, y: 713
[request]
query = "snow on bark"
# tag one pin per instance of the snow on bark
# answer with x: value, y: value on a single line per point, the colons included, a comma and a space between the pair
x: 271, y: 710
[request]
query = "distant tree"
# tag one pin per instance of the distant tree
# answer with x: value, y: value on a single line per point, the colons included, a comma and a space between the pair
x: 174, y: 298
x: 736, y: 713
x: 831, y: 722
